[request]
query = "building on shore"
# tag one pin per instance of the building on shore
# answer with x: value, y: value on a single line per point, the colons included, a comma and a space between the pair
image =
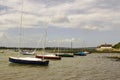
x: 103, y: 47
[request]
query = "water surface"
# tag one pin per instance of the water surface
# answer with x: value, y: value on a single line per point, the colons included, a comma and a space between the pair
x: 90, y: 67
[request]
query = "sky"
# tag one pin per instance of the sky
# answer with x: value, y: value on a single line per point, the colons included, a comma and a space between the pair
x: 85, y: 23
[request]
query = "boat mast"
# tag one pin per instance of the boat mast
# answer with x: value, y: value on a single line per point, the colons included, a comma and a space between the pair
x: 58, y: 46
x: 44, y: 41
x: 71, y: 46
x: 21, y: 23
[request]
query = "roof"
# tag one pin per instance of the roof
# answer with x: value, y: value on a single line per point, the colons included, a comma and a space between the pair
x: 105, y: 45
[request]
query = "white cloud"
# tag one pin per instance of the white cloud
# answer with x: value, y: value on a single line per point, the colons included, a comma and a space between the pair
x: 100, y: 28
x: 66, y: 40
x: 83, y: 14
x: 1, y: 34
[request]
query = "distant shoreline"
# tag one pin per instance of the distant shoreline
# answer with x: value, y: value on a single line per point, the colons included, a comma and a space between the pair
x: 64, y: 50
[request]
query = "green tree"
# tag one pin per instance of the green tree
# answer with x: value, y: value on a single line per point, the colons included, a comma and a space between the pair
x: 117, y: 46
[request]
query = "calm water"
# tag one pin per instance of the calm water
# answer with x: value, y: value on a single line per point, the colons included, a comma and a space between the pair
x: 90, y: 67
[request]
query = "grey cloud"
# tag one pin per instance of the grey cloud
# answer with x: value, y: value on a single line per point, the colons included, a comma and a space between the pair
x: 96, y: 24
x: 31, y: 13
x: 85, y: 10
x: 49, y: 3
x: 10, y: 21
x: 60, y: 20
x: 113, y: 5
x: 108, y: 4
x: 4, y: 9
x: 7, y: 10
x: 78, y: 11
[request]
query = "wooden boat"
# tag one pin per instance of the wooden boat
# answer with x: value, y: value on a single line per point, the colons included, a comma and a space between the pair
x: 65, y: 55
x: 80, y: 54
x: 49, y: 56
x: 28, y: 60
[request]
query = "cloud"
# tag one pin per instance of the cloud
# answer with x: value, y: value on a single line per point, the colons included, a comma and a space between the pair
x: 92, y: 15
x: 51, y: 3
x: 108, y: 4
x: 65, y: 40
x: 60, y: 19
x: 100, y: 28
x: 1, y: 34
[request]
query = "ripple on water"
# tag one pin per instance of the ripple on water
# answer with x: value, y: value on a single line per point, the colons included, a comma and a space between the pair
x: 90, y: 67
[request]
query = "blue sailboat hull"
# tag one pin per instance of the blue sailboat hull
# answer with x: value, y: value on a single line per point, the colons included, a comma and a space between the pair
x: 28, y: 61
x: 80, y: 54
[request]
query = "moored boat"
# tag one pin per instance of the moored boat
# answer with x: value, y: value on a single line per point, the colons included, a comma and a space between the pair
x: 87, y: 52
x: 65, y: 55
x: 28, y: 60
x: 49, y: 56
x: 80, y: 54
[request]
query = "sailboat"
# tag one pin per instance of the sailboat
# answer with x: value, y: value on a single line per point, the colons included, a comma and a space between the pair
x: 80, y: 53
x: 65, y: 54
x: 47, y: 56
x: 28, y: 60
